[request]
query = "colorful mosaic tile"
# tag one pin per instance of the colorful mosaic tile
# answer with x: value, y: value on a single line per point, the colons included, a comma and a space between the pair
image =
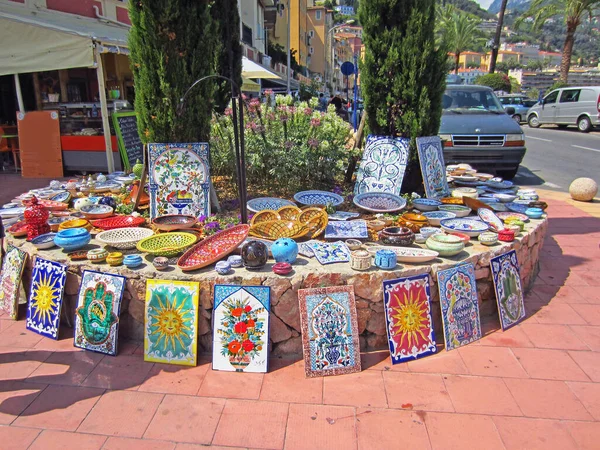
x: 10, y: 281
x: 330, y: 252
x: 509, y: 292
x: 431, y: 158
x: 353, y: 229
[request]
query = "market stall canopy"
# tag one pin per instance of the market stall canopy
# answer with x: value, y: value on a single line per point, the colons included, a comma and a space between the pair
x: 39, y: 40
x: 250, y: 86
x: 252, y: 70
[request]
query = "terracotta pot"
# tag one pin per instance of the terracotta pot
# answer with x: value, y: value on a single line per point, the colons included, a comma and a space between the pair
x: 413, y: 221
x: 402, y: 236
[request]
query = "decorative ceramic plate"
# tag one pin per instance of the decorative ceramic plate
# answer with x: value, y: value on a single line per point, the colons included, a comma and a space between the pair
x: 96, y: 211
x: 171, y: 222
x: 457, y: 210
x: 62, y: 197
x: 289, y: 212
x: 499, y: 207
x: 51, y: 205
x: 468, y: 178
x: 379, y: 202
x: 499, y: 184
x: 118, y: 222
x: 19, y: 229
x: 504, y: 198
x: 276, y: 229
x: 330, y: 252
x: 426, y: 204
x: 516, y: 215
x: 434, y: 217
x: 343, y: 215
x: 406, y: 254
x: 469, y: 227
x: 490, y: 218
x: 11, y: 212
x: 353, y: 229
x: 124, y: 238
x: 318, y: 198
x: 264, y: 216
x: 166, y: 244
x: 517, y: 207
x: 44, y: 241
x: 272, y: 203
x: 213, y: 248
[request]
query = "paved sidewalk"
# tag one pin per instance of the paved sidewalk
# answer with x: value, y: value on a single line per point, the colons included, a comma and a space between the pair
x: 534, y: 386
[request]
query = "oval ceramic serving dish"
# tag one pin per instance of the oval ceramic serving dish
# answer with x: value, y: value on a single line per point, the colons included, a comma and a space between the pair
x: 213, y: 248
x: 166, y: 244
x: 262, y: 203
x: 264, y: 216
x: 44, y: 241
x: 490, y: 218
x: 96, y: 211
x: 289, y: 212
x: 63, y: 197
x: 379, y: 202
x: 318, y: 198
x: 426, y: 204
x: 124, y: 238
x: 470, y: 227
x: 407, y: 255
x: 72, y: 239
x: 51, y: 205
x: 118, y: 222
x: 18, y: 229
x: 434, y: 217
x: 171, y: 222
x: 276, y: 229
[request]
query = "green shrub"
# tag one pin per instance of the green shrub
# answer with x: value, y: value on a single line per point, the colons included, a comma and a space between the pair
x: 497, y: 81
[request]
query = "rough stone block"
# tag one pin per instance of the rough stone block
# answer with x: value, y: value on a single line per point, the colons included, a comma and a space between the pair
x: 278, y: 331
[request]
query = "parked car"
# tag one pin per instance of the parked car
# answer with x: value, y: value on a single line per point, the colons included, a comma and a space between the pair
x: 477, y: 130
x: 520, y: 103
x: 578, y: 106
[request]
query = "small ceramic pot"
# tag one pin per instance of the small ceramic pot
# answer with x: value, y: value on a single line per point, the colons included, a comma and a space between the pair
x: 81, y: 202
x: 282, y: 268
x: 360, y: 260
x: 386, y: 259
x: 465, y: 192
x: 534, y: 213
x: 114, y: 259
x: 445, y: 244
x: 516, y: 229
x: 160, y: 263
x: 376, y: 225
x: 132, y: 261
x: 353, y: 244
x: 97, y: 255
x: 487, y: 238
x: 254, y: 255
x: 538, y: 204
x: 222, y: 267
x: 235, y: 261
x: 413, y: 221
x: 506, y: 235
x: 516, y: 222
x: 402, y: 236
x: 284, y: 250
x: 419, y: 238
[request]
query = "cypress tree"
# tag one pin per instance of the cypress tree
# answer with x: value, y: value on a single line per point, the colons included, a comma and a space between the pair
x: 403, y: 72
x: 172, y: 44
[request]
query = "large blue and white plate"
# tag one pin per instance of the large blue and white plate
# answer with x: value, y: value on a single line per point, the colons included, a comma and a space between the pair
x: 318, y: 198
x: 517, y: 207
x: 426, y: 204
x: 61, y: 197
x: 435, y: 217
x: 259, y: 204
x: 379, y: 202
x: 470, y: 227
x: 490, y: 218
x: 343, y: 215
x: 353, y: 229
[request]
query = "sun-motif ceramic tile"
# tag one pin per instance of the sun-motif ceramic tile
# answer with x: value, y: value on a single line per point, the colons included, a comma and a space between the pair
x: 509, y: 292
x: 431, y: 158
x: 10, y: 281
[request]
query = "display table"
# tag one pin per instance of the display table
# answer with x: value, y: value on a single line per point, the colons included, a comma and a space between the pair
x: 307, y: 273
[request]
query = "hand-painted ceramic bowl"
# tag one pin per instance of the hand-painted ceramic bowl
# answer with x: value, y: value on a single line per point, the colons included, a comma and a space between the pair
x: 488, y: 238
x: 426, y: 204
x: 435, y: 217
x: 516, y: 229
x: 282, y: 268
x: 413, y: 221
x: 235, y: 261
x: 132, y: 261
x: 44, y: 241
x: 376, y: 225
x: 428, y: 231
x: 96, y: 211
x: 457, y: 210
x: 445, y: 244
x: 465, y: 192
x: 114, y: 259
x: 223, y: 267
x: 353, y: 244
x: 72, y: 239
x: 76, y: 223
x: 515, y: 222
x: 401, y: 236
x: 419, y: 238
x: 538, y: 204
x: 160, y: 262
x: 534, y: 213
x: 97, y: 255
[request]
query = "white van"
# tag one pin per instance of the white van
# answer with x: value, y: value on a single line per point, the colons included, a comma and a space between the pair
x: 578, y: 106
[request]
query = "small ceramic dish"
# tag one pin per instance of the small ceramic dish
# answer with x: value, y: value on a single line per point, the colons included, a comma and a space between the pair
x: 96, y: 211
x: 97, y: 255
x: 114, y: 259
x: 376, y: 225
x: 223, y: 267
x: 488, y: 238
x: 235, y: 261
x: 435, y: 217
x: 282, y: 268
x: 426, y: 204
x: 353, y: 244
x: 174, y: 222
x: 44, y: 241
x: 428, y: 231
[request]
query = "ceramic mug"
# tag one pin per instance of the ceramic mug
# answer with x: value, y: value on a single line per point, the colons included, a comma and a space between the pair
x: 360, y: 260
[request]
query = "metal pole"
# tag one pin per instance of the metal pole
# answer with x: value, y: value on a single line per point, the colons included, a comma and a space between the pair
x: 355, y: 106
x: 289, y: 56
x: 104, y: 109
x: 19, y: 93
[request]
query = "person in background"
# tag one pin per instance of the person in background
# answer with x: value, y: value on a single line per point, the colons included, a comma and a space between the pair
x: 322, y: 102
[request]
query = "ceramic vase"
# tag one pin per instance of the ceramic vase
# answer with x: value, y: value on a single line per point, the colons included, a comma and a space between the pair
x: 254, y: 255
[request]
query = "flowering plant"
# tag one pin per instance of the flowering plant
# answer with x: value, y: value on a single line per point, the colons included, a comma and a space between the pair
x: 242, y: 329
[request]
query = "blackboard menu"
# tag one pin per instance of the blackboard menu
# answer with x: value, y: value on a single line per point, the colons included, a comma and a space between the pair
x: 130, y: 144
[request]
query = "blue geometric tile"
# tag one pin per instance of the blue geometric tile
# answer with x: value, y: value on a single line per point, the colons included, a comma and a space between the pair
x: 330, y: 252
x: 509, y: 292
x: 353, y: 229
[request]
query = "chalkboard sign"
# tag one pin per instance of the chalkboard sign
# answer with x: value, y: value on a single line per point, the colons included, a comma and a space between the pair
x: 130, y: 145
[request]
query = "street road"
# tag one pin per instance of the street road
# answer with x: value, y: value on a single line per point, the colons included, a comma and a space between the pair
x: 556, y: 157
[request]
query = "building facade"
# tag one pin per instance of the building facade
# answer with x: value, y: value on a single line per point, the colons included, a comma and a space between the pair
x: 298, y: 28
x: 320, y: 21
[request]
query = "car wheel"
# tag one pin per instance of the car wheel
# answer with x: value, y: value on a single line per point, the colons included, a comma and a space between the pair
x: 517, y: 118
x: 508, y: 174
x: 584, y: 124
x: 533, y: 121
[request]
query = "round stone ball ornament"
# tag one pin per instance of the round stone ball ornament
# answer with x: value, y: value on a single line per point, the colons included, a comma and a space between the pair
x: 583, y: 189
x: 255, y: 255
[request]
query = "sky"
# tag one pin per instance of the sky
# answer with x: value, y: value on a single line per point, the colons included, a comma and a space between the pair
x: 485, y: 4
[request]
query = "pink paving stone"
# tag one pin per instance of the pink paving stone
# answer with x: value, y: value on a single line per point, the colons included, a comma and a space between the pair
x: 585, y: 434
x: 589, y: 362
x: 589, y: 395
x: 289, y: 384
x: 380, y: 361
x: 320, y: 427
x: 590, y: 313
x: 15, y: 396
x: 18, y: 363
x: 409, y: 429
x: 533, y: 434
x: 117, y: 443
x: 442, y: 362
x: 417, y: 391
x: 121, y: 372
x: 59, y: 408
x: 122, y: 413
x: 590, y: 279
x: 590, y: 293
x: 553, y: 336
x: 64, y: 344
x: 546, y: 399
x: 181, y: 446
x: 513, y: 337
x: 69, y: 368
x: 356, y: 389
x: 559, y: 314
x: 588, y: 334
x: 172, y: 379
x: 14, y: 438
x: 249, y: 423
x: 60, y: 440
x: 558, y: 294
x: 549, y: 364
x: 491, y: 361
x: 231, y: 385
x: 197, y: 424
x: 18, y: 336
x: 454, y: 431
x: 481, y: 395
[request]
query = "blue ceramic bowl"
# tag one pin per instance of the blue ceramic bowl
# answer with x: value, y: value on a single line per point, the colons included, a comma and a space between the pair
x: 132, y: 261
x: 44, y: 241
x: 534, y: 213
x: 223, y: 267
x: 72, y: 239
x: 235, y: 261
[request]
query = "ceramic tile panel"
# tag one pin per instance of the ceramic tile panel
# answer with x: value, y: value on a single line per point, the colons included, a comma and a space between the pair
x: 352, y: 229
x: 509, y: 291
x: 433, y: 169
x: 10, y: 281
x: 330, y: 252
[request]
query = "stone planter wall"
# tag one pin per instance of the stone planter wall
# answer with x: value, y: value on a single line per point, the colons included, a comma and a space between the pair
x: 285, y: 319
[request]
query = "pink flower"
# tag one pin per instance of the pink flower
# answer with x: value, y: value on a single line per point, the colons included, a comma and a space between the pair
x: 312, y: 142
x: 228, y: 111
x: 315, y: 122
x: 308, y: 111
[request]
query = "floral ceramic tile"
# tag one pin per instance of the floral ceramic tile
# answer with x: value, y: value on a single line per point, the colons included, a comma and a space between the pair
x: 171, y: 325
x: 45, y: 297
x: 10, y: 281
x: 329, y: 331
x: 179, y: 179
x: 241, y: 328
x: 305, y: 250
x: 431, y: 158
x: 407, y: 307
x: 330, y: 252
x: 353, y: 229
x: 509, y: 292
x: 383, y: 165
x: 97, y: 313
x: 459, y: 304
x: 343, y: 215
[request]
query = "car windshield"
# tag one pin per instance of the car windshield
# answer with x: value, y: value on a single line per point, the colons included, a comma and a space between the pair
x: 471, y: 101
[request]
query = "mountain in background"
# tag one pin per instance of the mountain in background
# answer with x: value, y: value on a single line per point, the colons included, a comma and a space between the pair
x: 470, y: 6
x: 515, y: 5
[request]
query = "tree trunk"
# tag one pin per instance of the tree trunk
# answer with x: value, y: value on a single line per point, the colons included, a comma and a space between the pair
x: 456, y: 62
x: 565, y: 64
x: 496, y: 44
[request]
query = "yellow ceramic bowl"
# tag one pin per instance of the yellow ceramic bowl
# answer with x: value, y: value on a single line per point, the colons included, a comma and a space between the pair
x: 114, y: 259
x: 77, y: 223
